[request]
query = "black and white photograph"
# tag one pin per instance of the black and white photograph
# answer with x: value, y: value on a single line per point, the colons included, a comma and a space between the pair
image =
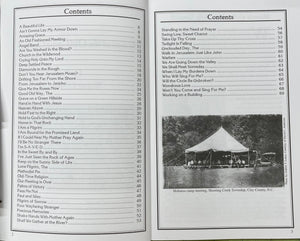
x: 237, y: 151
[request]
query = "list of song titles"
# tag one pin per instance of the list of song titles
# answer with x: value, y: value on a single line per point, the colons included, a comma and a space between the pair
x: 216, y: 55
x: 79, y: 120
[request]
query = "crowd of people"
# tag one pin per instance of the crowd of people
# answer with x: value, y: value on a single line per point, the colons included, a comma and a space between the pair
x: 231, y: 162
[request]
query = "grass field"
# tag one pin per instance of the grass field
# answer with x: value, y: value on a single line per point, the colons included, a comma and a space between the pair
x: 179, y: 177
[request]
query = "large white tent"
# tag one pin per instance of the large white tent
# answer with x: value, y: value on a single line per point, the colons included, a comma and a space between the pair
x: 221, y: 140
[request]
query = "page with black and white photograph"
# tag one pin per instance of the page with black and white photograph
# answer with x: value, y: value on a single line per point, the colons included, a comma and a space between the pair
x: 224, y: 154
x: 74, y: 82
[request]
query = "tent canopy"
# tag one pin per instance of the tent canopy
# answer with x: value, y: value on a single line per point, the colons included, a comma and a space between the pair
x: 221, y: 140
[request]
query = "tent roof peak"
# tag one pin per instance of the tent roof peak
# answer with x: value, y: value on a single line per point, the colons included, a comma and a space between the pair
x: 220, y: 140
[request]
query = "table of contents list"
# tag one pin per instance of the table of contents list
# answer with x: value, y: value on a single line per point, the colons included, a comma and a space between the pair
x: 78, y: 120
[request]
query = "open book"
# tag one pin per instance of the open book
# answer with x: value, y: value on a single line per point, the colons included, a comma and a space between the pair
x: 135, y: 120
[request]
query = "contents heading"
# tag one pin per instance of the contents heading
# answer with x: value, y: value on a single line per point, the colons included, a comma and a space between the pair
x: 77, y: 11
x: 219, y: 17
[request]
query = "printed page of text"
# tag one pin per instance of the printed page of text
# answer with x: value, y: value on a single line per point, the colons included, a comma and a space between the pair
x: 78, y: 127
x: 223, y: 122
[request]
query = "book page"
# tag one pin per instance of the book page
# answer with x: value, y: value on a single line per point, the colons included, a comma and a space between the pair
x: 224, y: 104
x: 77, y: 119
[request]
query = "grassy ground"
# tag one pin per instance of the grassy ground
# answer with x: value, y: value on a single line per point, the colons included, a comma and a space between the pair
x: 179, y: 177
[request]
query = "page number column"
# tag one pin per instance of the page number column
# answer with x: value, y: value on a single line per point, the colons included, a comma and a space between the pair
x: 281, y: 67
x: 139, y: 124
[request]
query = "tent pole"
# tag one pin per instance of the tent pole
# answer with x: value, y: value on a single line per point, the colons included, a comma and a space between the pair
x: 256, y: 157
x: 210, y: 159
x: 248, y: 158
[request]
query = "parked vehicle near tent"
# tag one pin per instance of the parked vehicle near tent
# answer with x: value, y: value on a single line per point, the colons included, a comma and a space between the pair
x: 267, y: 159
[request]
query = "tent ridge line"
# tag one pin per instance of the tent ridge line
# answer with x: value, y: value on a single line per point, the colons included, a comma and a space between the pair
x: 237, y: 148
